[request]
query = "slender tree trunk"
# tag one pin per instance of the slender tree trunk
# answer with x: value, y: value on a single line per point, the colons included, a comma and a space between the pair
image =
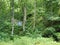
x: 24, y: 14
x: 34, y: 18
x: 12, y: 14
x: 24, y: 19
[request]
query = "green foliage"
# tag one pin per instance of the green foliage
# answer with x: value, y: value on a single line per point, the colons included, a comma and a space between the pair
x: 48, y: 32
x: 58, y: 35
x: 30, y: 41
x: 47, y: 17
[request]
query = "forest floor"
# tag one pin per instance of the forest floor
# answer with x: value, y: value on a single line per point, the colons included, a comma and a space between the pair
x: 31, y: 41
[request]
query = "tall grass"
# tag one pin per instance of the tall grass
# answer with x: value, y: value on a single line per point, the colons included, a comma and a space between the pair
x: 30, y: 41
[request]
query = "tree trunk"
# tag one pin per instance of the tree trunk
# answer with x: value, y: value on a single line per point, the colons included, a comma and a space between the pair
x: 12, y: 14
x: 24, y: 14
x: 34, y: 18
x: 24, y: 19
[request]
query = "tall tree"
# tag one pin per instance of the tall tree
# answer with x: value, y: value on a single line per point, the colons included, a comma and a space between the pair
x: 24, y: 13
x: 34, y: 18
x: 12, y: 14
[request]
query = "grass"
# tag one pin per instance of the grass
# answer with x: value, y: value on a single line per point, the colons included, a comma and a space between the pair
x: 31, y: 41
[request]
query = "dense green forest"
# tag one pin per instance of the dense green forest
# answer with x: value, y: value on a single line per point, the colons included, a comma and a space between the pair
x: 26, y: 19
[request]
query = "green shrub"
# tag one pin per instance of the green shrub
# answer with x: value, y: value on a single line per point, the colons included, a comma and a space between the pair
x: 48, y: 32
